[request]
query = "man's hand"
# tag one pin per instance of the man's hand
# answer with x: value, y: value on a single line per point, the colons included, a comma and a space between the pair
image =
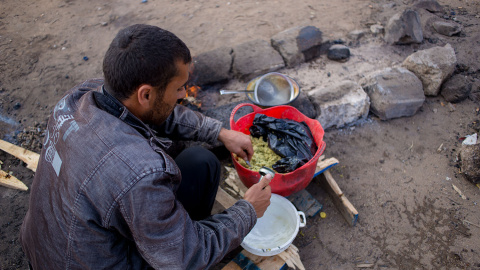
x: 259, y: 195
x: 237, y: 143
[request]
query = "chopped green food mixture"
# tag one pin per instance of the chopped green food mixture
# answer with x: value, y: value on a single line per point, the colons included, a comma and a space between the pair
x: 263, y: 155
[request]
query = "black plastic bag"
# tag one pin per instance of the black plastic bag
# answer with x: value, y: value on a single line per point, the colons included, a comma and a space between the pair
x: 291, y: 140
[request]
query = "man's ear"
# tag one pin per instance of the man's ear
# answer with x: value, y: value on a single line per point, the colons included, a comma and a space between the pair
x: 145, y: 96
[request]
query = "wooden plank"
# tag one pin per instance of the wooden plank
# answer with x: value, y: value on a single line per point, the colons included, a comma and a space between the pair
x: 29, y: 157
x: 11, y: 181
x: 324, y: 164
x: 292, y: 258
x: 224, y: 198
x: 247, y: 260
x: 233, y: 180
x: 347, y: 210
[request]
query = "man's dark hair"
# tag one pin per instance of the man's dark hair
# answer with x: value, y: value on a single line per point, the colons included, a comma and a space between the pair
x: 142, y: 54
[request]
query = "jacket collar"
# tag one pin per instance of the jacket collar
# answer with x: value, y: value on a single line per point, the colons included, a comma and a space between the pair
x: 113, y: 106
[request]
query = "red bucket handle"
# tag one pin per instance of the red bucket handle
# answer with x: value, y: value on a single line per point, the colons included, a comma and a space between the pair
x: 233, y: 124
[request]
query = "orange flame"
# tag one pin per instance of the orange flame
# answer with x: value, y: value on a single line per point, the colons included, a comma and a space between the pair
x: 191, y: 95
x: 192, y: 91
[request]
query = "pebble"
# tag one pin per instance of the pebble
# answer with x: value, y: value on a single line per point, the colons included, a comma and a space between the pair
x: 17, y: 106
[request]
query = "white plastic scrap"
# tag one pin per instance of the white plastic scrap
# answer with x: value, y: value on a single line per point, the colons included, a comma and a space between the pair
x: 470, y: 139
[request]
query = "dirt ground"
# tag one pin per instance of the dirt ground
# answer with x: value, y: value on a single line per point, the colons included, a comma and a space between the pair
x: 397, y: 173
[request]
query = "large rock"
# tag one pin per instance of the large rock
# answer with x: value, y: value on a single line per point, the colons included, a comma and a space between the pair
x: 254, y: 58
x: 298, y: 44
x: 429, y: 5
x: 432, y: 66
x: 393, y: 92
x: 213, y: 66
x: 470, y: 158
x: 456, y: 88
x: 447, y: 28
x: 404, y: 28
x: 341, y: 104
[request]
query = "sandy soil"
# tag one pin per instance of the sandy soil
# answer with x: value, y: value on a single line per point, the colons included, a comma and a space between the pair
x: 397, y: 173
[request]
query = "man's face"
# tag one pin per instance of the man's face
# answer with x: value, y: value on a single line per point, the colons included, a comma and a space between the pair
x: 163, y: 106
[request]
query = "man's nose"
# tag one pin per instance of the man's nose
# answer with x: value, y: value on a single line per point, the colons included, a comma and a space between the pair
x: 182, y: 93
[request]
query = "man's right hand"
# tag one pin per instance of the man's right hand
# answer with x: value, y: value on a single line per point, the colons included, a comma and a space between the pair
x: 259, y: 195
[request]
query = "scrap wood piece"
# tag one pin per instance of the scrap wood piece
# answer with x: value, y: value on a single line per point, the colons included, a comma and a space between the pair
x: 225, y: 199
x: 324, y: 164
x: 346, y: 208
x: 459, y: 192
x: 287, y: 258
x: 27, y: 156
x: 292, y: 258
x: 11, y: 181
x: 233, y: 180
x: 247, y: 260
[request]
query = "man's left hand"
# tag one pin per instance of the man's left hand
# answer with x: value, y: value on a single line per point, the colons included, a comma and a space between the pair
x: 237, y: 143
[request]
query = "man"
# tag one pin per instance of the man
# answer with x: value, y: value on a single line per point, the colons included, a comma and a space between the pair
x: 107, y: 196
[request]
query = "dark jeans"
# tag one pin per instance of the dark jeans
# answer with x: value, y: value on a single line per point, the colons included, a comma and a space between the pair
x: 200, y: 178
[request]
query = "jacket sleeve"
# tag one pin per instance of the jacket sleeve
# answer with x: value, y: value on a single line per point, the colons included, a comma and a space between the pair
x: 185, y: 124
x: 166, y: 236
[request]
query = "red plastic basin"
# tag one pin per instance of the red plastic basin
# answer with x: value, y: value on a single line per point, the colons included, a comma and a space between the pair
x: 283, y: 184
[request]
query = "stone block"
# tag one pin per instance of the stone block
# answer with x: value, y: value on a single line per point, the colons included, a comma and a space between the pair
x: 393, y: 92
x: 213, y: 66
x: 447, y: 28
x: 404, y: 28
x: 341, y: 104
x: 298, y: 44
x: 432, y: 66
x: 254, y: 58
x: 456, y: 88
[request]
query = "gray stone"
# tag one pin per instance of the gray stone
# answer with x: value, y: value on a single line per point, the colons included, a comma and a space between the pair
x: 475, y: 94
x: 213, y: 66
x: 298, y: 44
x: 356, y: 35
x: 254, y: 58
x: 456, y: 88
x: 377, y: 29
x: 447, y: 28
x: 393, y: 92
x: 341, y: 104
x: 222, y: 113
x: 338, y: 52
x: 470, y: 162
x: 432, y: 66
x: 404, y: 28
x: 429, y: 5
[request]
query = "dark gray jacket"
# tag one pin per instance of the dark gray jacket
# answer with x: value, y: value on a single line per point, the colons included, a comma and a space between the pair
x: 103, y: 196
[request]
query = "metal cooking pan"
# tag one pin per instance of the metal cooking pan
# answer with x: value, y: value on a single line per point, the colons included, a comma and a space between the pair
x: 271, y: 89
